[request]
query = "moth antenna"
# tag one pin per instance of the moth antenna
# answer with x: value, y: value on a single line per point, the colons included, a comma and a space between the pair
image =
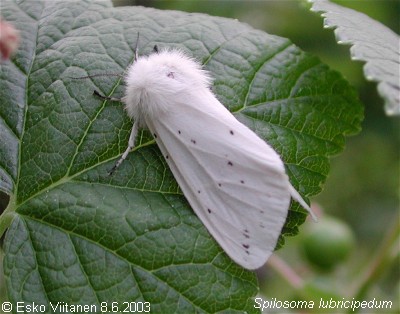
x: 96, y: 75
x: 96, y: 93
x: 136, y: 51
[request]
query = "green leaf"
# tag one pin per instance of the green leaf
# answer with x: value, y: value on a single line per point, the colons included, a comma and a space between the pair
x: 83, y: 237
x: 371, y: 42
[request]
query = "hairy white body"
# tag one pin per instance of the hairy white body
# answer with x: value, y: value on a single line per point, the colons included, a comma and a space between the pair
x: 234, y: 181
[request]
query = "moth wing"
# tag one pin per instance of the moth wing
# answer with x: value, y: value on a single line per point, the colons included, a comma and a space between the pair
x: 234, y: 181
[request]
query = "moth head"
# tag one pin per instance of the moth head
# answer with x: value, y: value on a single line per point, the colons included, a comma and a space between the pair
x: 157, y: 81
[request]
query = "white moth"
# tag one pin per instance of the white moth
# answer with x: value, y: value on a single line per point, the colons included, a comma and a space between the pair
x: 234, y: 181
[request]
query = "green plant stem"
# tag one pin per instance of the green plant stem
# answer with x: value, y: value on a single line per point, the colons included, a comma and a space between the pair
x: 5, y: 221
x: 7, y: 216
x: 379, y: 263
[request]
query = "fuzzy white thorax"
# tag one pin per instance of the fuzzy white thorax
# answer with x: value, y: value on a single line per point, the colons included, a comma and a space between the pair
x: 156, y: 82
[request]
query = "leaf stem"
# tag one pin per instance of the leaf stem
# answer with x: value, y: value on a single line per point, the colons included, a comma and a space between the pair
x: 282, y: 268
x: 379, y: 263
x: 7, y: 216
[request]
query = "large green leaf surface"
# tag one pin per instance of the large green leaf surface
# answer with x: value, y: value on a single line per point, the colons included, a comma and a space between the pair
x: 80, y: 236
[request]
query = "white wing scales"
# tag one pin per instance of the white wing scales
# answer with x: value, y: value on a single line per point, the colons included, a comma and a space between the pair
x: 234, y: 181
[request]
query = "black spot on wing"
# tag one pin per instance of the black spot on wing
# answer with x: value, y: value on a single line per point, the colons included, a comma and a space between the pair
x: 230, y: 163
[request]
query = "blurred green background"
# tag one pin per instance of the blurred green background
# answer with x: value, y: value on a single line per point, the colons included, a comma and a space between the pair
x: 362, y: 190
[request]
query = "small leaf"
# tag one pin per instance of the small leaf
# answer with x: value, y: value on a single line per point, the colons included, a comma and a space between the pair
x: 371, y: 42
x: 83, y: 237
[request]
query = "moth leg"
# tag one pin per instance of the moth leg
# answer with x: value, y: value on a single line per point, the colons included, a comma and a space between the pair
x: 131, y: 145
